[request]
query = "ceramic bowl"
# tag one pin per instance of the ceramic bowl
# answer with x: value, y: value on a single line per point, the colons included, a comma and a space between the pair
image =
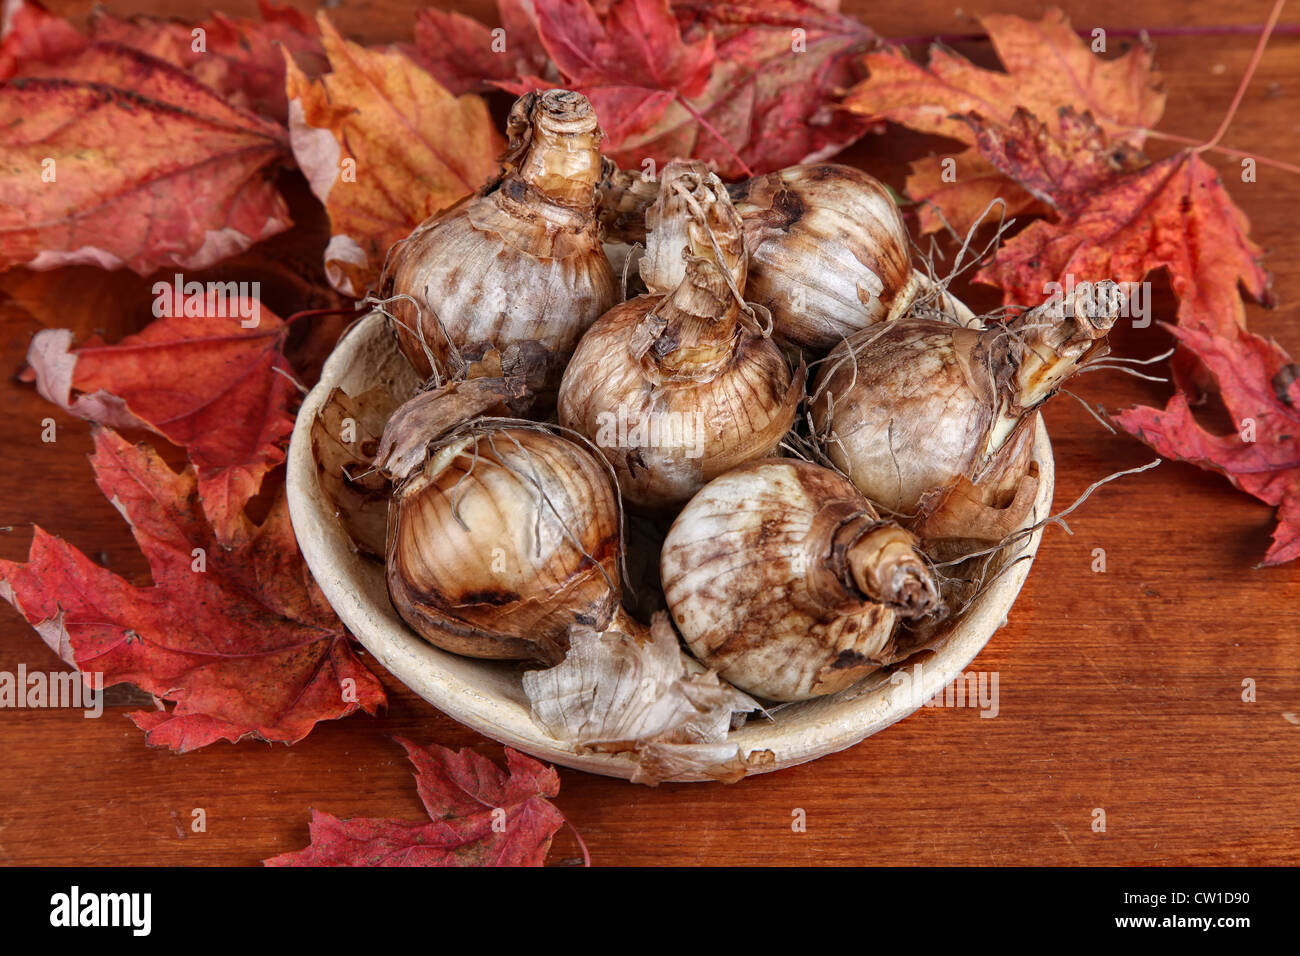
x: 488, y: 695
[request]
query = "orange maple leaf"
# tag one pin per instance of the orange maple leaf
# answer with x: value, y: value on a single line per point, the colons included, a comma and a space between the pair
x: 384, y: 147
x: 118, y: 159
x: 1047, y: 67
x: 1174, y: 214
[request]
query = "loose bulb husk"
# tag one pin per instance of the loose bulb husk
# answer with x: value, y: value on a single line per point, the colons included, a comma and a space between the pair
x: 908, y: 409
x: 521, y: 263
x: 785, y: 580
x: 677, y: 388
x: 505, y: 538
x: 624, y: 198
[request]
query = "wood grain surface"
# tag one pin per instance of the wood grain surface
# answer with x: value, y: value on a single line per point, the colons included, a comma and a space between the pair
x: 1119, y: 690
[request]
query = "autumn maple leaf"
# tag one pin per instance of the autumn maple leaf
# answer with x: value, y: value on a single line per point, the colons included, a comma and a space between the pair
x: 1047, y: 67
x: 466, y: 56
x: 748, y: 86
x: 242, y: 640
x: 31, y: 34
x: 239, y: 58
x: 118, y: 159
x: 384, y: 147
x: 1060, y: 131
x: 204, y: 381
x: 1260, y: 388
x: 480, y: 815
x: 1174, y: 214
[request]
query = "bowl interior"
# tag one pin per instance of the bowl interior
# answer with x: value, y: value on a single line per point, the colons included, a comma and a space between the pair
x: 488, y: 695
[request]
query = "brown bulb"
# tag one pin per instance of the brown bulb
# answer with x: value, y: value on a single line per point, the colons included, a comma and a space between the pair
x: 783, y: 578
x: 504, y: 539
x: 520, y: 263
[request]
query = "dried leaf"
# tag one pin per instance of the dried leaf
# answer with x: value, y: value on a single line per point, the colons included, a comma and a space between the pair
x: 782, y: 66
x: 238, y: 57
x: 120, y: 160
x: 31, y: 33
x: 467, y: 57
x: 241, y: 640
x: 1062, y: 167
x: 481, y: 816
x: 633, y: 46
x: 1260, y: 387
x: 626, y: 689
x: 747, y: 86
x: 944, y: 198
x: 384, y: 147
x: 202, y: 381
x: 1173, y: 214
x: 1047, y: 67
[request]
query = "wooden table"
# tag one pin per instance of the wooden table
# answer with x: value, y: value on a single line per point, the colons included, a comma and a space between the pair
x: 1119, y: 690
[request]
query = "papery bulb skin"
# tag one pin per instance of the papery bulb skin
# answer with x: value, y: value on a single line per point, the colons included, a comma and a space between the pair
x: 784, y: 579
x: 505, y: 538
x: 673, y: 387
x: 622, y: 201
x: 908, y: 409
x: 691, y: 217
x: 519, y: 263
x: 828, y: 252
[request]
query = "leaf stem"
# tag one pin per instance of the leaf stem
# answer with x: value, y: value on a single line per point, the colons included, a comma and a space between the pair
x: 699, y: 118
x: 1226, y: 150
x: 586, y: 857
x: 1245, y: 80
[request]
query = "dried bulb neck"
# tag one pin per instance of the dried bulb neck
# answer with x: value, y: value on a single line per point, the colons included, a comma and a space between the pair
x: 852, y: 557
x: 885, y: 566
x: 1046, y: 345
x: 555, y: 148
x: 692, y: 217
x: 692, y: 333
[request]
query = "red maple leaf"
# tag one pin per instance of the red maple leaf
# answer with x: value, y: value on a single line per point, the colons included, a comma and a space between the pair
x: 480, y: 815
x: 241, y: 640
x: 32, y: 34
x: 1260, y: 388
x: 202, y: 381
x: 1122, y: 224
x: 466, y: 56
x: 118, y: 159
x: 238, y: 58
x: 748, y: 86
